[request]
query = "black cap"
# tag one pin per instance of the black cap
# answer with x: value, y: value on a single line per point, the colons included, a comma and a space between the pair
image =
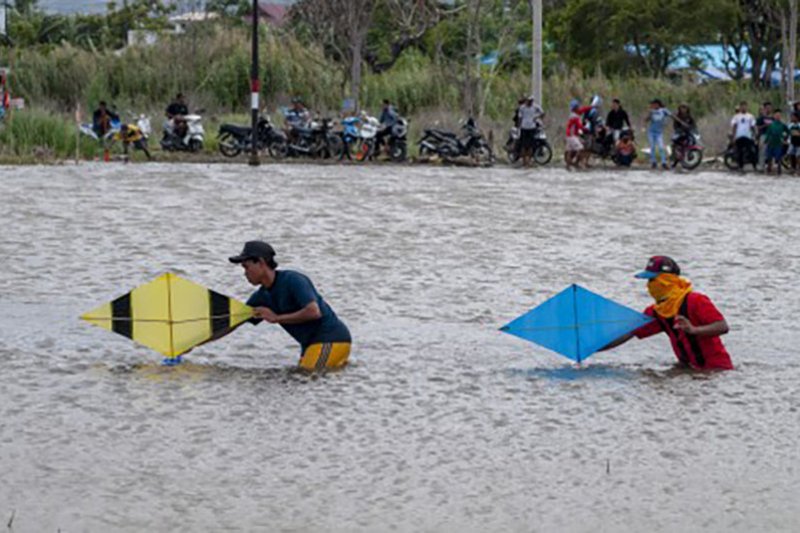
x: 254, y: 250
x: 657, y: 265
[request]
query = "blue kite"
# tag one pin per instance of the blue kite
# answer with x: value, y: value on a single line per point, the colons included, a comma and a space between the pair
x: 576, y: 323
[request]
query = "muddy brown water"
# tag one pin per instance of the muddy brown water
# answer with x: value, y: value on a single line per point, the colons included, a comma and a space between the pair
x: 441, y: 423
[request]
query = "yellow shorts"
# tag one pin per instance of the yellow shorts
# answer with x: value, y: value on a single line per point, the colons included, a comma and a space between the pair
x: 325, y: 355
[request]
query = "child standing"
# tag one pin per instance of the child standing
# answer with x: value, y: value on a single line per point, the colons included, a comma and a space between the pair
x: 572, y: 153
x: 775, y: 135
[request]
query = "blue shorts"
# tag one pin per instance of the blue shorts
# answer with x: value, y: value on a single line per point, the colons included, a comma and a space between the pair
x: 774, y: 153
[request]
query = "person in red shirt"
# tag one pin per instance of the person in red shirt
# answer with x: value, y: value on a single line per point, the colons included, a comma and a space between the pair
x: 690, y: 320
x: 574, y: 130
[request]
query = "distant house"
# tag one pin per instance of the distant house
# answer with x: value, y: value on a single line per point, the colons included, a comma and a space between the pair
x: 273, y: 14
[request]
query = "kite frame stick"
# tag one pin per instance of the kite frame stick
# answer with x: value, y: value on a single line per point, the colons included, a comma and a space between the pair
x: 162, y: 321
x: 169, y: 311
x: 575, y: 311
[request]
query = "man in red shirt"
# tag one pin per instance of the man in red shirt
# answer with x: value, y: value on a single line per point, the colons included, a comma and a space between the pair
x: 692, y: 323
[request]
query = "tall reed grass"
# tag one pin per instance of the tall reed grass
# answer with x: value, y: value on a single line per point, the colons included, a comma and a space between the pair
x: 212, y: 68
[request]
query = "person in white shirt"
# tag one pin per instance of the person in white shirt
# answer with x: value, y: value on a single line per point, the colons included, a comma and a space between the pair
x: 529, y: 115
x: 742, y: 131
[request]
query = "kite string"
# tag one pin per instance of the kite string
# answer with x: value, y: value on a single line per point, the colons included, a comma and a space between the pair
x: 572, y: 326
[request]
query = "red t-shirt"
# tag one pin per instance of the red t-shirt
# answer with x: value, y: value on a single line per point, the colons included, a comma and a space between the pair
x: 700, y: 312
x: 574, y: 126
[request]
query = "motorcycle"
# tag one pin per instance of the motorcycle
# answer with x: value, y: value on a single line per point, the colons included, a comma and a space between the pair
x: 234, y: 139
x: 731, y: 157
x: 318, y: 140
x: 602, y: 144
x: 447, y: 145
x: 140, y: 123
x: 191, y: 141
x: 394, y: 138
x: 542, y: 151
x: 687, y: 150
x: 87, y: 129
x: 358, y: 137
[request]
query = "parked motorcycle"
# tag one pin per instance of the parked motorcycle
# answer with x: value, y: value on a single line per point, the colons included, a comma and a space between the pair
x: 139, y: 123
x: 318, y: 140
x: 191, y: 141
x: 448, y: 145
x: 731, y: 157
x: 395, y: 139
x: 687, y: 151
x: 87, y: 129
x: 359, y: 137
x: 602, y: 144
x: 542, y: 151
x: 234, y: 139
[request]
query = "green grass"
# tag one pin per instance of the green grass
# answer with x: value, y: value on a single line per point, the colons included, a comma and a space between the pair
x: 214, y: 72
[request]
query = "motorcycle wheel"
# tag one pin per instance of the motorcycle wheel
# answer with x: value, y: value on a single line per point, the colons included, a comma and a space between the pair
x: 334, y: 148
x: 481, y: 154
x: 228, y: 147
x: 398, y: 152
x: 195, y: 145
x: 730, y: 160
x: 364, y: 150
x: 424, y: 151
x: 692, y: 159
x: 278, y: 149
x: 513, y: 154
x: 786, y: 162
x: 543, y: 154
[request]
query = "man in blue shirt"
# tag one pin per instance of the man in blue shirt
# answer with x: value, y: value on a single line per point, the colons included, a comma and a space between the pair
x: 289, y: 298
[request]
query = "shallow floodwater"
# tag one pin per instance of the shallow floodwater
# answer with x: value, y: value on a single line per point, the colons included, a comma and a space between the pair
x: 441, y: 423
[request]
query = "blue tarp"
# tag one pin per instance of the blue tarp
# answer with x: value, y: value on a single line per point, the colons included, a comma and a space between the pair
x: 576, y: 323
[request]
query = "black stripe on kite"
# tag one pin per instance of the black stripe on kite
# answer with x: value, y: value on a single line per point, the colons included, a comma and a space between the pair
x: 220, y: 312
x: 121, y: 316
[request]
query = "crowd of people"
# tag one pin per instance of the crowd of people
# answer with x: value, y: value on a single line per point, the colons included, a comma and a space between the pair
x: 768, y: 142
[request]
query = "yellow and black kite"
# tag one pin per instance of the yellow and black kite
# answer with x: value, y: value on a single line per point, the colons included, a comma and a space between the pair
x: 171, y: 315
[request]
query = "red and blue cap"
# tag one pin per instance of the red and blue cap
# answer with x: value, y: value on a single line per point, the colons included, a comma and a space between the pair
x: 659, y: 264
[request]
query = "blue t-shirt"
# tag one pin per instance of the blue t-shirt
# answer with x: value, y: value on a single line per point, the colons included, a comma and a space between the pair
x: 658, y: 119
x: 291, y: 292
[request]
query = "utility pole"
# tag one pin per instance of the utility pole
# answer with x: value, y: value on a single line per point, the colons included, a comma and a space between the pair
x: 792, y: 60
x: 255, y: 89
x: 536, y: 49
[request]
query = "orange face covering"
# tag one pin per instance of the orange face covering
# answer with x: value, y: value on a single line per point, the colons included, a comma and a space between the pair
x: 668, y: 290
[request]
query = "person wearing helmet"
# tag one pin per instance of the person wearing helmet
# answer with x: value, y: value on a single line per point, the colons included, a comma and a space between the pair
x: 690, y: 320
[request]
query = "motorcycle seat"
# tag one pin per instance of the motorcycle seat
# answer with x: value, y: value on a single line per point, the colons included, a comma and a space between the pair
x: 303, y: 131
x: 239, y: 131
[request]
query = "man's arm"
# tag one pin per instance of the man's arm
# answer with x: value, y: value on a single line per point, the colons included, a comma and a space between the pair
x: 613, y: 344
x: 306, y: 314
x: 715, y: 329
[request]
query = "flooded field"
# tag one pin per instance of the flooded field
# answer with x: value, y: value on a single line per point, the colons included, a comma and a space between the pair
x: 441, y: 423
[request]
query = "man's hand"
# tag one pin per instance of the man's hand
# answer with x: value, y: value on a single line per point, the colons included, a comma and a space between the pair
x: 265, y: 313
x: 682, y: 324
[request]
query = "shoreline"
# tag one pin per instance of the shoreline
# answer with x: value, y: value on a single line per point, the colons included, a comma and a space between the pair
x: 711, y: 165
